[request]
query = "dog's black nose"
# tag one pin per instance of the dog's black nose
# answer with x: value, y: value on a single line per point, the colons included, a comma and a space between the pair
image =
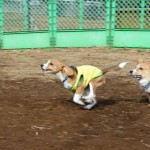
x: 42, y: 65
x: 131, y: 71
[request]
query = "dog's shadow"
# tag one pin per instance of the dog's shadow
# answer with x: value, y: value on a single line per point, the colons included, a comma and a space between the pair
x: 100, y: 104
x: 105, y: 102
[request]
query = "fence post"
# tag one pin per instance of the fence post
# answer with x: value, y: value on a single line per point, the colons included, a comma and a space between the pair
x: 113, y: 16
x: 52, y: 13
x: 25, y: 15
x: 1, y: 24
x: 142, y: 14
x: 80, y: 14
x: 108, y: 21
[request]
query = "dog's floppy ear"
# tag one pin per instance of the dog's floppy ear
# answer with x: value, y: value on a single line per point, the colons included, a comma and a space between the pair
x: 68, y: 70
x: 61, y: 65
x: 140, y: 60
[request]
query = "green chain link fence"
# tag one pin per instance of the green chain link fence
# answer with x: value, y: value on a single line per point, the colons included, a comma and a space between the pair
x: 73, y: 14
x: 25, y: 15
x: 63, y: 15
x: 133, y: 14
x: 22, y: 15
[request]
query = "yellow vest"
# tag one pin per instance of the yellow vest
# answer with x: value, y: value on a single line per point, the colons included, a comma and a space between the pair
x: 86, y: 73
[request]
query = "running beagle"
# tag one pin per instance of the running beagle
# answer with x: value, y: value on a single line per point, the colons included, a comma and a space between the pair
x: 142, y: 73
x: 82, y: 80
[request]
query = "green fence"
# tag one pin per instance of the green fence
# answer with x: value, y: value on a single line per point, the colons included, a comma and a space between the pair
x: 74, y: 23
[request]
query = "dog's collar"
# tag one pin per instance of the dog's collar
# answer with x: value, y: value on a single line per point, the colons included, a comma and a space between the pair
x: 146, y: 86
x: 74, y: 68
x: 66, y: 78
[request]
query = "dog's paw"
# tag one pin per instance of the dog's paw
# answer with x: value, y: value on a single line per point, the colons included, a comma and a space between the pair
x: 88, y: 107
x: 89, y: 101
x: 83, y: 97
x: 88, y: 97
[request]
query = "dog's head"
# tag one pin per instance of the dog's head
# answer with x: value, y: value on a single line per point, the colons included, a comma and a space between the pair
x: 65, y: 73
x: 141, y: 72
x: 52, y: 66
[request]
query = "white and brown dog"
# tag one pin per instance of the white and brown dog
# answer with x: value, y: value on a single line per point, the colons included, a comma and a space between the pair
x: 142, y: 74
x: 82, y: 80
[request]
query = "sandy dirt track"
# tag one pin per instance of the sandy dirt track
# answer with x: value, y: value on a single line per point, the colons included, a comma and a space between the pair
x: 37, y: 113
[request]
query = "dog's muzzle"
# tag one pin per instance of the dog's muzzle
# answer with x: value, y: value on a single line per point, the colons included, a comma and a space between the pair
x: 138, y: 77
x: 43, y: 69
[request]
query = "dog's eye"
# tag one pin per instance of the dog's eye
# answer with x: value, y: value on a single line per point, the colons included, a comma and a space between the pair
x: 140, y: 68
x: 51, y: 64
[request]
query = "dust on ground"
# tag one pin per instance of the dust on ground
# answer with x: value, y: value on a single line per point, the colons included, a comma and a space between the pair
x: 37, y: 113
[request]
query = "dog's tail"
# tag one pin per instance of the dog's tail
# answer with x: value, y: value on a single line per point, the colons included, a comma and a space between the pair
x: 114, y: 68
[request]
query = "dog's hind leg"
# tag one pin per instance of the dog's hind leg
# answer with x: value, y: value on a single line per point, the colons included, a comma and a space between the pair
x: 92, y: 87
x: 91, y: 98
x: 92, y: 104
x: 89, y: 92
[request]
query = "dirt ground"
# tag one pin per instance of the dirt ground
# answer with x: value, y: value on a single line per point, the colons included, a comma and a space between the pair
x: 37, y: 113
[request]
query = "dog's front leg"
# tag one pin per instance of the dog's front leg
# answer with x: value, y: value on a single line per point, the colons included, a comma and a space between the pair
x: 77, y: 99
x: 78, y: 95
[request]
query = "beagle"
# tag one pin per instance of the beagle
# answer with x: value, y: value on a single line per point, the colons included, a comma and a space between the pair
x: 82, y: 80
x: 142, y: 73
